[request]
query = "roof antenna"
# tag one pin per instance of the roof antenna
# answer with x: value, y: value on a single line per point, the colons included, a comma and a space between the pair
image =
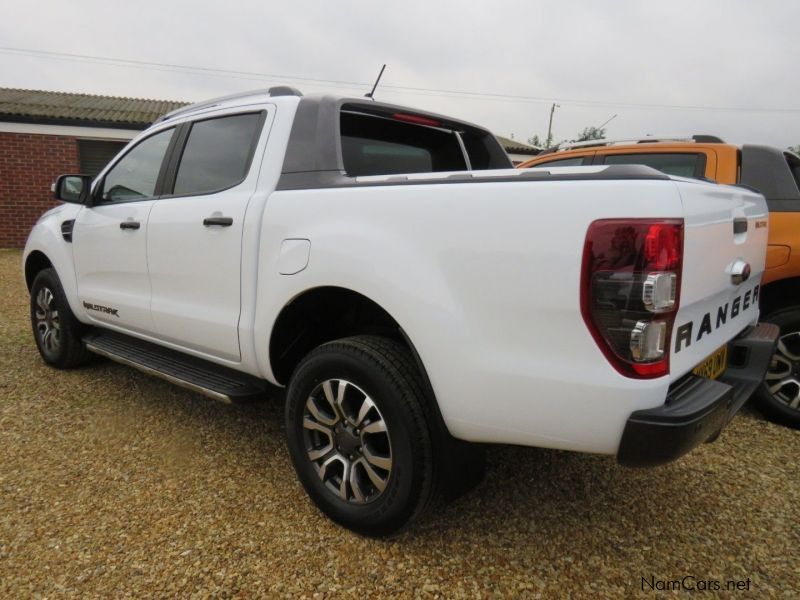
x: 372, y: 93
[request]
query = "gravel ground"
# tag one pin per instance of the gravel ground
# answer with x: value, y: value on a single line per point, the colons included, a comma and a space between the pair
x: 115, y: 484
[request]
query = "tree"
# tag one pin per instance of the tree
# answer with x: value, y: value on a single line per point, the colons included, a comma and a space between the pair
x: 588, y: 133
x: 535, y: 141
x: 591, y: 133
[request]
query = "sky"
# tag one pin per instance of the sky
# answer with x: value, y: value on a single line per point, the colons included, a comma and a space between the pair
x: 721, y: 67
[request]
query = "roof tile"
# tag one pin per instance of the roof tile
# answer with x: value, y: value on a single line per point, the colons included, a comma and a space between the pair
x: 46, y: 105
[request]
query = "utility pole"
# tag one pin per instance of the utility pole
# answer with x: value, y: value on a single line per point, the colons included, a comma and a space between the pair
x: 550, y: 126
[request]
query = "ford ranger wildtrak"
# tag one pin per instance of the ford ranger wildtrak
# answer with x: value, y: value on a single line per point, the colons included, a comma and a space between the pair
x: 415, y: 294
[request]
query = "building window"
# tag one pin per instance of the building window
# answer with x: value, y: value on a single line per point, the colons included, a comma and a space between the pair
x: 94, y: 155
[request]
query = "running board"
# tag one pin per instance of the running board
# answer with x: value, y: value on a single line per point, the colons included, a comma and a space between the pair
x: 196, y: 374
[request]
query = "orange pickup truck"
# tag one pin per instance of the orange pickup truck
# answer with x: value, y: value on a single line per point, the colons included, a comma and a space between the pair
x: 773, y: 172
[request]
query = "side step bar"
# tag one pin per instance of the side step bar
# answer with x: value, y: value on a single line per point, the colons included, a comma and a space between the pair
x: 196, y: 374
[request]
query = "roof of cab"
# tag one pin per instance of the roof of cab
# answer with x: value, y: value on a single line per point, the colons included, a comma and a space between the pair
x: 233, y: 100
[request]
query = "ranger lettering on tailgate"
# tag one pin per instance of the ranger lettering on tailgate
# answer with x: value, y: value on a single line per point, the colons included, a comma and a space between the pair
x: 683, y: 337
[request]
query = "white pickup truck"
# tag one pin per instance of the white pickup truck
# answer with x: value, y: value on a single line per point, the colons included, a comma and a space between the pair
x: 414, y: 293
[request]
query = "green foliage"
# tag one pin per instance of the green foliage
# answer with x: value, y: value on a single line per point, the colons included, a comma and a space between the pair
x: 588, y: 133
x: 591, y: 133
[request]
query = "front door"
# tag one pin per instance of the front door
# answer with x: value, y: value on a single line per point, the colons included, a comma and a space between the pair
x: 110, y: 239
x: 194, y: 247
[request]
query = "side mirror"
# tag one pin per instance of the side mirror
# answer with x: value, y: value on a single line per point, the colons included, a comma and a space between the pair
x: 72, y: 188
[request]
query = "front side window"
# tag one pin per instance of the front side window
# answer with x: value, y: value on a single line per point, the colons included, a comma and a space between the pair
x: 217, y: 154
x: 134, y: 176
x: 682, y: 165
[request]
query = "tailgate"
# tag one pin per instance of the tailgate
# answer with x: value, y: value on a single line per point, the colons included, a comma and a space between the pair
x: 725, y: 232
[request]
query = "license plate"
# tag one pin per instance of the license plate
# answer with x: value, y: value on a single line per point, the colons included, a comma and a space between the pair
x: 714, y: 365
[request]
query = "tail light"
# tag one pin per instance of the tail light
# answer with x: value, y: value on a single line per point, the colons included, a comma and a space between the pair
x: 630, y: 288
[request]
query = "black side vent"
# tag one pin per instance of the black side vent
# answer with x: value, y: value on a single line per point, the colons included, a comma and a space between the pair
x: 739, y: 225
x: 66, y: 230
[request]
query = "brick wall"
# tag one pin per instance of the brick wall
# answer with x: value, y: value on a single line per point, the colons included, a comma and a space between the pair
x: 29, y: 163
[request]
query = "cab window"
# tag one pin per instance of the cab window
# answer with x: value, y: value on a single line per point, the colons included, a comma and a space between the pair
x: 134, y: 176
x: 680, y: 164
x: 575, y: 161
x: 217, y: 154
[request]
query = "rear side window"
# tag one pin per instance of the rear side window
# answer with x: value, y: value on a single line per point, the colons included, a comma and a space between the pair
x: 379, y: 146
x: 576, y: 161
x: 217, y: 154
x: 682, y: 165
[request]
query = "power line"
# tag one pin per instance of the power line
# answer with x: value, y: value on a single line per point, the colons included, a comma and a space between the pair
x: 467, y: 95
x: 167, y: 66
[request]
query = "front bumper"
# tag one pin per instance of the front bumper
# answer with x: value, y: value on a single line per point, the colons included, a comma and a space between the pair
x: 697, y: 409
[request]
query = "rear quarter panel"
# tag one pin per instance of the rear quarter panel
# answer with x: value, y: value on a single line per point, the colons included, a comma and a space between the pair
x: 485, y: 279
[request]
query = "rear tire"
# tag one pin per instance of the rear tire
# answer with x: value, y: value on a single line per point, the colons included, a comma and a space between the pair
x: 361, y: 435
x: 55, y: 329
x: 778, y: 397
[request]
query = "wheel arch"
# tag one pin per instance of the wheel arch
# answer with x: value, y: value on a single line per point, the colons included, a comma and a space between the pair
x: 780, y: 294
x: 35, y: 262
x: 322, y: 314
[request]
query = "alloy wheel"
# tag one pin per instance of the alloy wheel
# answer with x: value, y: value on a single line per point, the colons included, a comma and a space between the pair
x: 48, y: 323
x: 783, y: 377
x: 347, y: 440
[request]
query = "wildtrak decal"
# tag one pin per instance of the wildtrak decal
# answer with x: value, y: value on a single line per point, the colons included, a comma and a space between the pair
x: 683, y: 335
x: 102, y: 309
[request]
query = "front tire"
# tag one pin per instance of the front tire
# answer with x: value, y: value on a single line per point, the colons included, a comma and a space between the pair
x: 55, y: 329
x: 360, y: 434
x: 778, y: 396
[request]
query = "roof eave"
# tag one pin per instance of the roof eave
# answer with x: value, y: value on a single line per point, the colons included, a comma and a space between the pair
x: 97, y: 123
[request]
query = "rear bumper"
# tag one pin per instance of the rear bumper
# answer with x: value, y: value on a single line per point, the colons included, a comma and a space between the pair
x: 697, y: 409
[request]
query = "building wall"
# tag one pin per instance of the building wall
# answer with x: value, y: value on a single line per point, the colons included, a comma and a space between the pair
x: 29, y: 164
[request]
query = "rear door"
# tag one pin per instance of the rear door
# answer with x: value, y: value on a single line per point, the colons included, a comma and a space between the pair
x: 776, y: 174
x: 194, y: 245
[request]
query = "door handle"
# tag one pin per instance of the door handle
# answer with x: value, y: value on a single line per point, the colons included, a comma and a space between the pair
x: 130, y: 225
x: 221, y: 221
